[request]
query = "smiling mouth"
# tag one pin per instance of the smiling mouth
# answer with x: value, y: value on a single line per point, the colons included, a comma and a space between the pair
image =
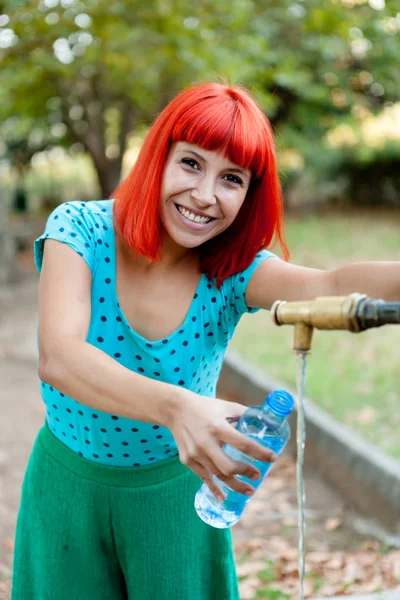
x: 192, y: 216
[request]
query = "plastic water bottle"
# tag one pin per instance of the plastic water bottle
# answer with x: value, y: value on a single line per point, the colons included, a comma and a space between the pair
x: 267, y: 425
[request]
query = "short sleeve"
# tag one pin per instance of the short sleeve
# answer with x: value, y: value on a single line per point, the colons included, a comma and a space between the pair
x: 69, y: 223
x: 240, y: 282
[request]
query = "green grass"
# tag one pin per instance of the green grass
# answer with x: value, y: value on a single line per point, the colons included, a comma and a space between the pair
x: 354, y: 377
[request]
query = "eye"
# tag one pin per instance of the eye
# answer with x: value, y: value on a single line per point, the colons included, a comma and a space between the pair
x: 190, y: 162
x: 234, y: 179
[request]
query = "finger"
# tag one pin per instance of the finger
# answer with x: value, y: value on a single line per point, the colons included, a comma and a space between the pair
x: 245, y: 444
x: 208, y: 479
x: 249, y: 471
x: 225, y: 467
x: 232, y: 468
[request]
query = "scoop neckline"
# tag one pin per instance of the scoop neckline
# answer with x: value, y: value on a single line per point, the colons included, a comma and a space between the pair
x: 149, y: 343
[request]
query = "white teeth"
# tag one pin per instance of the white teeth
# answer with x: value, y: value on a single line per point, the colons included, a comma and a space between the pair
x: 192, y: 217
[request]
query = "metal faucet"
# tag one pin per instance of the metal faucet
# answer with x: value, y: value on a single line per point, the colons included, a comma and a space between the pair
x: 354, y: 313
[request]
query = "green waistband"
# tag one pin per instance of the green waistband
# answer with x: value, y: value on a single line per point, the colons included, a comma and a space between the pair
x: 118, y: 476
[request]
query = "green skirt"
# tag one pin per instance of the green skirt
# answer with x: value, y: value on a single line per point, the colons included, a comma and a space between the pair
x: 93, y: 532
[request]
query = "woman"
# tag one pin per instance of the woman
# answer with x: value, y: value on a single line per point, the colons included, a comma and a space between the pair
x: 131, y: 343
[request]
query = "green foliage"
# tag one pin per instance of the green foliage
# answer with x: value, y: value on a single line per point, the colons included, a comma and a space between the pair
x: 372, y: 174
x: 105, y: 68
x: 268, y: 574
x: 271, y: 594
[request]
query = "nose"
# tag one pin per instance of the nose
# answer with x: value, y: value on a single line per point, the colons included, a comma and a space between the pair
x: 204, y: 192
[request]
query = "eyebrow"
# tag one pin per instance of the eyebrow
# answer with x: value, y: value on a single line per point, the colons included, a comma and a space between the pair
x: 232, y: 170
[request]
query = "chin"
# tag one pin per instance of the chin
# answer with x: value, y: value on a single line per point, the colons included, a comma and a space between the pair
x: 186, y: 240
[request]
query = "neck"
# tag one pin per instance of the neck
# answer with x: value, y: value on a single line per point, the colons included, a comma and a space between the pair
x: 172, y: 256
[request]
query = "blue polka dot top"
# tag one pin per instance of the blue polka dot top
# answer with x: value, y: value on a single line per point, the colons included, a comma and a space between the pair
x: 191, y: 356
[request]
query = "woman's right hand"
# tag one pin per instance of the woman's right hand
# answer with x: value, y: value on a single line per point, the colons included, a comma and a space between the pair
x: 200, y: 428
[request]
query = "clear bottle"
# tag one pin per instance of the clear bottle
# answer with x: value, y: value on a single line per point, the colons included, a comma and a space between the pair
x: 267, y: 424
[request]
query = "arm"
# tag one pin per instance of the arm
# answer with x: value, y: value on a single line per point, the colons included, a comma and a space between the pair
x: 79, y: 369
x: 376, y: 279
x: 275, y: 279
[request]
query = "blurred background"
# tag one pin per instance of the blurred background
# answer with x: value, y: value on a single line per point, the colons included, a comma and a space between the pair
x: 80, y: 83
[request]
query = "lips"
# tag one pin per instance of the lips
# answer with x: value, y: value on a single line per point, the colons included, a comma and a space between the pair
x: 193, y: 225
x: 195, y: 212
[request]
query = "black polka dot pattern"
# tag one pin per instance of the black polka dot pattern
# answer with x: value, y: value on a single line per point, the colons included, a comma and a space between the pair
x: 190, y: 357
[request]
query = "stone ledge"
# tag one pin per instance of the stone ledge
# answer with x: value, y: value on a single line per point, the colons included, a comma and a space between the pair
x: 389, y: 595
x: 362, y: 473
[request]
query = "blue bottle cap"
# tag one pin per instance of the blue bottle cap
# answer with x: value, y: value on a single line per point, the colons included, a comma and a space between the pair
x: 280, y: 402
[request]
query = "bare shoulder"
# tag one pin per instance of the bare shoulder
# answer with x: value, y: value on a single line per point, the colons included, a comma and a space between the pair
x: 274, y: 279
x: 64, y: 296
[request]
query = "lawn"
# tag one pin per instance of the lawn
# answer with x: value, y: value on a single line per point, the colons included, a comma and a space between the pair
x: 354, y: 377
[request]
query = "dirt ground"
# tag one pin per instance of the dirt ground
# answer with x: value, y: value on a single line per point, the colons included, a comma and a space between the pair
x: 343, y: 556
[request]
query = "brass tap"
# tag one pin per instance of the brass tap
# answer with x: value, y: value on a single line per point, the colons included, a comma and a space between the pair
x: 354, y: 313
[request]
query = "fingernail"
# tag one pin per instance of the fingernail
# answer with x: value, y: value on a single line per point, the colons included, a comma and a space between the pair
x: 255, y: 477
x: 273, y: 457
x: 249, y: 492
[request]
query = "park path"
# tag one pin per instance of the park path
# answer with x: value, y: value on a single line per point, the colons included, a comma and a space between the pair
x: 268, y: 529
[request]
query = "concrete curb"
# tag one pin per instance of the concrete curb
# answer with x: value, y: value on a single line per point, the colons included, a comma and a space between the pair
x: 364, y: 474
x: 390, y: 595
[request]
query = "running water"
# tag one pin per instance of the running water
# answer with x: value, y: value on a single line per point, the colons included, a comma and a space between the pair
x: 300, y: 383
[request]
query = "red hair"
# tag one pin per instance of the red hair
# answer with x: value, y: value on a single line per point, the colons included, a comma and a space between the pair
x: 216, y: 117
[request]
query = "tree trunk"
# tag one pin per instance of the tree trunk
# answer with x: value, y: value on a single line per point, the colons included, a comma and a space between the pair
x: 94, y: 139
x: 108, y: 174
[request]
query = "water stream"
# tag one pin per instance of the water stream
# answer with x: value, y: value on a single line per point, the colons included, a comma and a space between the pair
x: 300, y: 385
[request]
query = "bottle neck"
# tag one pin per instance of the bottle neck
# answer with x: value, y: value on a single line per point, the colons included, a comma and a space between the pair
x: 272, y: 417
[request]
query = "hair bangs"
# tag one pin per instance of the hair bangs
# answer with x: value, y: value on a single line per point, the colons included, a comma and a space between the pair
x: 246, y: 146
x: 207, y: 124
x: 225, y: 124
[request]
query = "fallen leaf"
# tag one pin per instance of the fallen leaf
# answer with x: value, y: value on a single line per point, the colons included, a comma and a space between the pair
x: 371, y: 545
x: 291, y: 554
x: 289, y: 568
x: 8, y: 544
x: 333, y: 523
x: 351, y: 572
x: 308, y: 587
x: 249, y: 568
x: 375, y: 585
x: 336, y: 561
x: 327, y: 589
x: 366, y: 558
x: 248, y: 587
x: 318, y: 556
x: 289, y: 586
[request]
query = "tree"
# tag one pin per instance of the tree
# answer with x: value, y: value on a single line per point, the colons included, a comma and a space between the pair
x: 104, y: 69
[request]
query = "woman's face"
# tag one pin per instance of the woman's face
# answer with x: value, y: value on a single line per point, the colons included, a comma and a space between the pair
x: 201, y: 194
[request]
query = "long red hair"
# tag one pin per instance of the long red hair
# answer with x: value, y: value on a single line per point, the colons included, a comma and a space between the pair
x: 216, y: 117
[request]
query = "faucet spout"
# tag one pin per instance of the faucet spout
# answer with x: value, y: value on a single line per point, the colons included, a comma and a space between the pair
x: 354, y: 313
x: 302, y: 337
